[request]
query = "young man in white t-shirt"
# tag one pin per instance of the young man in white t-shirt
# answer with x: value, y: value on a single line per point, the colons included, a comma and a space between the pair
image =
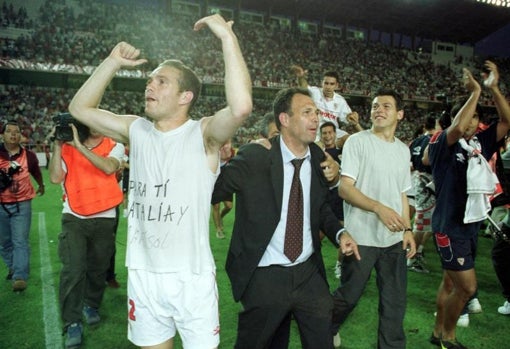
x: 374, y: 181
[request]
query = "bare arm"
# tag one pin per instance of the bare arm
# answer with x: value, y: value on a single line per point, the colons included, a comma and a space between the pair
x: 84, y: 105
x: 55, y: 166
x: 392, y: 219
x: 353, y: 120
x: 339, y: 142
x: 491, y: 82
x: 405, y: 210
x: 331, y: 169
x: 300, y: 75
x: 463, y: 118
x: 221, y: 127
x: 108, y: 164
x: 408, y: 237
x: 425, y: 159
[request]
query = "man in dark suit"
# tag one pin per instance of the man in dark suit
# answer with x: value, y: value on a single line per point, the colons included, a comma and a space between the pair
x: 271, y: 282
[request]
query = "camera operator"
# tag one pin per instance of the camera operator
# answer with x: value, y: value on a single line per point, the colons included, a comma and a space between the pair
x: 16, y: 194
x: 86, y: 167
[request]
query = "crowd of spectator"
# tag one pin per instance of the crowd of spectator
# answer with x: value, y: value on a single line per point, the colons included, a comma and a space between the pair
x: 74, y: 36
x: 11, y: 17
x: 34, y: 108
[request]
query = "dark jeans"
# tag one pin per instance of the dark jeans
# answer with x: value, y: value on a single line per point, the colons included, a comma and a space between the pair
x: 85, y: 247
x: 273, y: 293
x: 390, y: 266
x: 110, y: 273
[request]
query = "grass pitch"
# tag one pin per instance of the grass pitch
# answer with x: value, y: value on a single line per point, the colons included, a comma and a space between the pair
x: 31, y: 319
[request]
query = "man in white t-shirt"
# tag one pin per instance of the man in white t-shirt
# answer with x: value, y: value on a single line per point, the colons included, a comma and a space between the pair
x: 332, y: 106
x: 174, y: 162
x: 375, y: 178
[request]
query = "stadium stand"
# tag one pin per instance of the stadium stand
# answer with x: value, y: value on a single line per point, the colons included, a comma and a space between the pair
x: 72, y: 37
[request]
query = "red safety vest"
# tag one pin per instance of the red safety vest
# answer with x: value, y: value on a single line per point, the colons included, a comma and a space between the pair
x: 21, y: 188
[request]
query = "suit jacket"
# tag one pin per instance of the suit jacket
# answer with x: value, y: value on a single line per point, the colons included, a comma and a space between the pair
x: 255, y: 174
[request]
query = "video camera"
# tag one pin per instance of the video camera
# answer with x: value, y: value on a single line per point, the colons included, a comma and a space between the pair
x: 64, y: 132
x: 6, y: 175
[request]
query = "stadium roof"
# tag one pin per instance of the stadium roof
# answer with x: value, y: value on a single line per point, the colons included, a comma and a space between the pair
x: 455, y: 21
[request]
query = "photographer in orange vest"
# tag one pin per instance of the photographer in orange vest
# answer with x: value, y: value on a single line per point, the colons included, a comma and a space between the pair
x: 86, y: 168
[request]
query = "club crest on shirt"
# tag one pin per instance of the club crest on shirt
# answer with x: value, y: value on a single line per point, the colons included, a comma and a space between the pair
x: 460, y: 261
x: 460, y: 158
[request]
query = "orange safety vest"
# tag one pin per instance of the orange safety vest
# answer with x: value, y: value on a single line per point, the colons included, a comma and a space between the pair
x: 88, y: 189
x: 21, y: 188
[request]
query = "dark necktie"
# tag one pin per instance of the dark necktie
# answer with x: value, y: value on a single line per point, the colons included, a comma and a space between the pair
x: 294, y: 227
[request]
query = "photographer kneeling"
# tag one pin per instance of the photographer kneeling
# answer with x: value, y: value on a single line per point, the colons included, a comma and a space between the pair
x: 86, y: 167
x: 16, y: 194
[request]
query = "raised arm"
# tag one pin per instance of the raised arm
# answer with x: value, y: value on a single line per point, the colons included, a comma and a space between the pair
x: 107, y: 164
x: 491, y: 81
x: 221, y: 126
x: 300, y: 75
x: 55, y: 166
x: 463, y: 118
x: 353, y: 120
x: 84, y: 105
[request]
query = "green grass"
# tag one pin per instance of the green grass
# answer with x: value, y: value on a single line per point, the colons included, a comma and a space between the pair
x: 25, y: 318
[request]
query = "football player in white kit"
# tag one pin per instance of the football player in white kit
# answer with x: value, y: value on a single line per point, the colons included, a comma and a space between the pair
x: 174, y: 163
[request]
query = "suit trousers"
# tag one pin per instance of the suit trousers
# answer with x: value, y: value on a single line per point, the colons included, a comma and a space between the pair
x: 273, y: 293
x: 391, y: 279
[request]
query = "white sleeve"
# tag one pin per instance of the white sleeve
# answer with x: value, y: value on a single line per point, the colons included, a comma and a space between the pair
x: 117, y: 152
